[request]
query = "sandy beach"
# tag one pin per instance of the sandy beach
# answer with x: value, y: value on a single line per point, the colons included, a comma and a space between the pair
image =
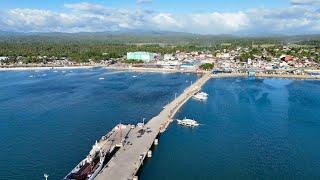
x: 163, y: 70
x: 42, y: 68
x: 158, y: 70
x: 290, y: 76
x: 260, y: 75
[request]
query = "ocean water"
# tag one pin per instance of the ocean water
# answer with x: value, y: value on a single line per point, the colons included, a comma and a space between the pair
x: 50, y: 119
x: 250, y: 129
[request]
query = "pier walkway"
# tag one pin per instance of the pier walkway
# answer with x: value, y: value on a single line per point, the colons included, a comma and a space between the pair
x: 127, y: 161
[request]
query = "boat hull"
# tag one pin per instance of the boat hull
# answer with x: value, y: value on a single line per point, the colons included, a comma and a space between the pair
x: 184, y: 123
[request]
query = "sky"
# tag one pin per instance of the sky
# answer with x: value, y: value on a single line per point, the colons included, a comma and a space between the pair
x: 192, y: 16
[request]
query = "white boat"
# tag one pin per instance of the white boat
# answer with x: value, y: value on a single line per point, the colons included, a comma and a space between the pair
x: 134, y: 76
x: 201, y: 96
x: 101, y: 78
x: 188, y: 122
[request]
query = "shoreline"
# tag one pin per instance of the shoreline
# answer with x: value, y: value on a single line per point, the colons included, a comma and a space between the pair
x: 275, y: 76
x: 288, y: 76
x: 43, y: 68
x: 156, y: 70
x: 161, y: 70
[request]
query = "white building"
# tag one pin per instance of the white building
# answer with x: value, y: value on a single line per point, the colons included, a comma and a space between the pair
x: 168, y: 57
x: 224, y: 56
x: 3, y: 58
x: 169, y: 64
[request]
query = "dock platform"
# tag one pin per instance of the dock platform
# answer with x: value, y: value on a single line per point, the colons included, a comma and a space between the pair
x: 127, y: 161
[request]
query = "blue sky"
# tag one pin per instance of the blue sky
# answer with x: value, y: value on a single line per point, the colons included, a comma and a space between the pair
x: 194, y: 16
x: 160, y: 5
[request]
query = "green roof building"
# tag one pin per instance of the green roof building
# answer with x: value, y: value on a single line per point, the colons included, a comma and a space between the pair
x: 141, y: 56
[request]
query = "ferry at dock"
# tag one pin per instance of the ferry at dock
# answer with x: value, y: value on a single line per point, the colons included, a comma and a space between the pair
x: 188, y: 122
x: 89, y: 167
x: 201, y: 96
x: 100, y: 153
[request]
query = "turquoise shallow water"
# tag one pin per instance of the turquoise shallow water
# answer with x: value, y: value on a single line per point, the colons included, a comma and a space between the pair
x: 251, y: 129
x: 49, y: 120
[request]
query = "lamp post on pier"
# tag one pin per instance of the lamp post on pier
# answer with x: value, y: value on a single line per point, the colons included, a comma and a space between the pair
x: 46, y: 176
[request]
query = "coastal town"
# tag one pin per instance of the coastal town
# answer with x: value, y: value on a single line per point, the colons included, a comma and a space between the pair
x: 159, y: 90
x: 261, y: 59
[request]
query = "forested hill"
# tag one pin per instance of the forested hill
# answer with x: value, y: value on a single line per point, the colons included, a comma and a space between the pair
x: 97, y: 46
x: 150, y: 37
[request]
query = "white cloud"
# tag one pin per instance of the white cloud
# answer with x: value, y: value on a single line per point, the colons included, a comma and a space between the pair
x: 143, y: 1
x: 84, y: 6
x: 97, y: 18
x: 206, y: 23
x: 165, y: 21
x: 291, y: 20
x: 305, y: 2
x: 27, y: 19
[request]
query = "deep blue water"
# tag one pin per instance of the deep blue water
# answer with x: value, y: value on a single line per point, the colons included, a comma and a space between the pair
x: 48, y: 122
x: 252, y: 129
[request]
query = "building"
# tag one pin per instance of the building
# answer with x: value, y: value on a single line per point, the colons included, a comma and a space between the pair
x: 169, y: 64
x: 191, y: 64
x: 223, y: 56
x: 251, y: 73
x: 2, y: 58
x: 286, y: 58
x: 187, y: 66
x: 168, y: 57
x: 141, y: 56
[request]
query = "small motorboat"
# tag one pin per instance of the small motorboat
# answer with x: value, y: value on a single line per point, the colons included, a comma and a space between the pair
x: 188, y: 122
x: 201, y: 96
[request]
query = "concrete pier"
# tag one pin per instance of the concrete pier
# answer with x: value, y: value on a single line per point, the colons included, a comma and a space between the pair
x: 127, y: 161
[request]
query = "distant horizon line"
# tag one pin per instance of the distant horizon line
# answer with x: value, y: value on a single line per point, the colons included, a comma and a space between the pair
x: 155, y: 32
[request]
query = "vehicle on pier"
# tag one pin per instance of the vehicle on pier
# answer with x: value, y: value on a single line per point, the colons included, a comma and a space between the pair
x: 188, y: 122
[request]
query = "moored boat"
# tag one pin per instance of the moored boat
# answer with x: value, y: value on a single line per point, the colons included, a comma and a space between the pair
x: 99, y: 155
x: 188, y: 122
x: 201, y: 96
x: 88, y: 168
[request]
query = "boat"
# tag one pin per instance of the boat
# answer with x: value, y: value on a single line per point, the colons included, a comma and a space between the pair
x: 188, y: 122
x: 201, y: 96
x: 101, y: 78
x: 134, y: 76
x: 88, y: 168
x: 99, y: 155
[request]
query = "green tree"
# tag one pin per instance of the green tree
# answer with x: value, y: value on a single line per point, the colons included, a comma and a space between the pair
x: 206, y: 66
